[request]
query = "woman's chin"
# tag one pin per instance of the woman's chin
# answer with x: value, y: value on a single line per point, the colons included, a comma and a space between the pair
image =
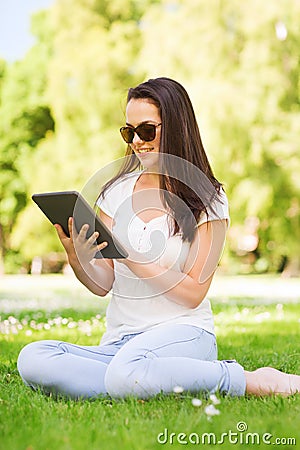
x: 148, y: 160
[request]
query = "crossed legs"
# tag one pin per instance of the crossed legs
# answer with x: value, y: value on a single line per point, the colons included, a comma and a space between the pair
x: 145, y: 364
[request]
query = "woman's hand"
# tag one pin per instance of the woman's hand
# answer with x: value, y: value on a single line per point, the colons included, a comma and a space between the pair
x: 97, y: 275
x: 79, y: 248
x: 133, y: 257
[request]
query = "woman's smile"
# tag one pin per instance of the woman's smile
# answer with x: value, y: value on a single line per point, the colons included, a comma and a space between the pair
x: 144, y: 150
x: 140, y: 111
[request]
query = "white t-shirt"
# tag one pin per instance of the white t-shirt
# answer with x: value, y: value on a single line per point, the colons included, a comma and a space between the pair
x: 135, y: 306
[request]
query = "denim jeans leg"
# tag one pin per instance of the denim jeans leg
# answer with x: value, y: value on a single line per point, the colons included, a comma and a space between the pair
x: 167, y: 356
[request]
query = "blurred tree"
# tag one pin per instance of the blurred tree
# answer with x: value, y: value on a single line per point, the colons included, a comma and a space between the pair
x: 24, y: 121
x: 94, y: 44
x: 61, y: 108
x: 240, y: 63
x: 2, y: 75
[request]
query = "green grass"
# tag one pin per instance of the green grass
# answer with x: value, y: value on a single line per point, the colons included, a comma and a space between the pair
x: 254, y: 331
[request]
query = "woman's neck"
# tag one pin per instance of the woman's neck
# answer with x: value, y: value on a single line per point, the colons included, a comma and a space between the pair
x: 151, y: 177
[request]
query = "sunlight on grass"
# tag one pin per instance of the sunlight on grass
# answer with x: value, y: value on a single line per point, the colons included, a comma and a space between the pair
x: 255, y: 331
x: 278, y: 316
x: 30, y: 324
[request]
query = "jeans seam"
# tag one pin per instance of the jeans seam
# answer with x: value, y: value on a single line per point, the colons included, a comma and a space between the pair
x: 212, y: 348
x: 82, y: 348
x: 167, y: 345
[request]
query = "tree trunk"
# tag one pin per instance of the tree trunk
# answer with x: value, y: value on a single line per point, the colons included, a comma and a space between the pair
x: 292, y: 269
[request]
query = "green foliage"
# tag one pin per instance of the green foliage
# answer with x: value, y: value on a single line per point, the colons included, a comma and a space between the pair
x: 62, y: 105
x: 69, y: 84
x: 25, y: 120
x: 240, y: 64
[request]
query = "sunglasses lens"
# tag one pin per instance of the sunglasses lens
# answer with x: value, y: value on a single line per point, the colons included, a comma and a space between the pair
x: 146, y: 131
x: 127, y: 134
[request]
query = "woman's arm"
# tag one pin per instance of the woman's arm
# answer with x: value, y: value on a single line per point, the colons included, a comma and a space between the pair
x: 189, y: 287
x: 96, y: 274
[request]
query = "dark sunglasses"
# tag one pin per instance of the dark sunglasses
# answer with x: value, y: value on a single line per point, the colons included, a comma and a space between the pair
x: 145, y: 131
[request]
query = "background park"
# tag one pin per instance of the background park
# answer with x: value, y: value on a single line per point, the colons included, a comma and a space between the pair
x: 61, y: 107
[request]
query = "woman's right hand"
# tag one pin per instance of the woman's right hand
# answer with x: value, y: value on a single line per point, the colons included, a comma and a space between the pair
x: 80, y: 249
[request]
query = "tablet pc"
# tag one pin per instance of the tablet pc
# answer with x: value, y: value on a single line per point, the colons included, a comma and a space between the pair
x: 59, y: 206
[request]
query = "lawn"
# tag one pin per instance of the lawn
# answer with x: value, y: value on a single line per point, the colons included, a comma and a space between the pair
x: 257, y: 323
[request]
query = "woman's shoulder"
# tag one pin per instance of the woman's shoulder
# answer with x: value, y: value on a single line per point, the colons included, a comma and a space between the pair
x: 117, y: 191
x: 121, y: 181
x: 218, y: 209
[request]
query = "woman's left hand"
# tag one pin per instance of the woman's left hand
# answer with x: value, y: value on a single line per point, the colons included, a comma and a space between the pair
x: 132, y: 258
x: 86, y: 247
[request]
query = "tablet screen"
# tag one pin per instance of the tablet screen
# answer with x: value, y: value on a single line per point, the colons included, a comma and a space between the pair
x: 59, y: 206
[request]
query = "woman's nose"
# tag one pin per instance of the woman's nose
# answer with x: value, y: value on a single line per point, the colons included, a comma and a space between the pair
x: 136, y: 139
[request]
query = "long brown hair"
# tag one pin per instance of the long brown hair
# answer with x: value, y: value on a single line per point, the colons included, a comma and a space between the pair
x: 180, y: 137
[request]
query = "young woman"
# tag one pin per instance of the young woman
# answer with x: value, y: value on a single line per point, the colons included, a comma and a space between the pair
x: 171, y: 214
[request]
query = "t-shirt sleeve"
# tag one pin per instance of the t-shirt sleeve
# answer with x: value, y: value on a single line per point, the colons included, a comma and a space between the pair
x: 104, y: 203
x: 219, y: 210
x: 113, y: 196
x: 108, y: 202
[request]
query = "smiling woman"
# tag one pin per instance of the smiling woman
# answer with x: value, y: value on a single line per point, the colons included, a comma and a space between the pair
x: 172, y: 219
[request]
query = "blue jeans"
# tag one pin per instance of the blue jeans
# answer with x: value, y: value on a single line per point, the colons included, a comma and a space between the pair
x: 142, y: 365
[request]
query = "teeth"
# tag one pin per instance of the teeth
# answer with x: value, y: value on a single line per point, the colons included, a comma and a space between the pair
x: 145, y: 150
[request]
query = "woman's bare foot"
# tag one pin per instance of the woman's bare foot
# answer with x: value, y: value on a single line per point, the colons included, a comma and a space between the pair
x: 269, y: 381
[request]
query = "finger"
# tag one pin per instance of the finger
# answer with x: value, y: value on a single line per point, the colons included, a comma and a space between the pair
x: 74, y: 229
x: 60, y: 231
x: 82, y: 233
x: 70, y: 226
x: 93, y: 238
x: 102, y: 246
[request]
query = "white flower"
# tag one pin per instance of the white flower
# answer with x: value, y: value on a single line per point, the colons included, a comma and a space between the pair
x: 214, y: 399
x: 178, y: 389
x: 210, y: 410
x: 196, y: 402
